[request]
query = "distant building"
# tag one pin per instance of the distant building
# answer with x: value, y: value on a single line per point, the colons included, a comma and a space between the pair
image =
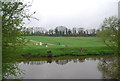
x: 80, y: 29
x: 61, y: 28
x: 33, y: 30
x: 74, y: 30
x: 89, y: 31
x: 51, y: 31
x: 39, y: 29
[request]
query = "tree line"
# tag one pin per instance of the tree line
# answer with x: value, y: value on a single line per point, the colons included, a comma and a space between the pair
x: 59, y: 31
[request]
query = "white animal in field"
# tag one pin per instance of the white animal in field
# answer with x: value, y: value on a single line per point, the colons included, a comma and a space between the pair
x: 46, y: 45
x: 36, y: 43
x: 40, y: 43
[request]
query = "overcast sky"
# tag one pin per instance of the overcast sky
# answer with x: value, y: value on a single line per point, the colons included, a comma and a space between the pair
x: 72, y: 13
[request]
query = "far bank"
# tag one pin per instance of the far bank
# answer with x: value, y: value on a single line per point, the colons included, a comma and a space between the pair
x: 61, y: 46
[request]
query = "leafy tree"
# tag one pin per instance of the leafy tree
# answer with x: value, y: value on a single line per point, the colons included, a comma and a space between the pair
x: 110, y: 33
x: 51, y: 32
x: 93, y: 32
x: 69, y: 31
x: 11, y: 20
x: 56, y: 32
x: 13, y: 14
x: 66, y: 31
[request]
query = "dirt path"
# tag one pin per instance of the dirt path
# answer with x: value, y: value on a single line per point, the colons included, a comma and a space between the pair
x: 39, y: 42
x: 47, y: 43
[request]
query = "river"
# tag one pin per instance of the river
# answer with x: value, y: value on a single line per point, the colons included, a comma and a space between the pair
x: 103, y: 67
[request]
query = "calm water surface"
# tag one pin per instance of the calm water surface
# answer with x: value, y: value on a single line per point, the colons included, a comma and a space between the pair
x: 78, y: 68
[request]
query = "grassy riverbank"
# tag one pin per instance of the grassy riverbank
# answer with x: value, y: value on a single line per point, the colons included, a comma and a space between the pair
x: 59, y: 46
x: 65, y: 58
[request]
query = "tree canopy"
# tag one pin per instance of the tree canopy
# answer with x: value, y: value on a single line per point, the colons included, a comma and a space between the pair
x: 13, y: 15
x: 110, y: 33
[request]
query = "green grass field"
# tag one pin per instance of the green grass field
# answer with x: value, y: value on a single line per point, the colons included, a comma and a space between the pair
x: 65, y: 46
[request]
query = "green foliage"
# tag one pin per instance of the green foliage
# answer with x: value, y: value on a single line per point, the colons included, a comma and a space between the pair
x: 13, y: 14
x: 10, y: 21
x: 109, y: 33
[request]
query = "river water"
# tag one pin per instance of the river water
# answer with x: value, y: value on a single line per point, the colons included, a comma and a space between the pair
x: 104, y: 67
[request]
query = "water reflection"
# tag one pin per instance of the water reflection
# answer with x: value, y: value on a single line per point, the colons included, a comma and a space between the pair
x: 10, y: 68
x: 102, y: 67
x: 64, y: 61
x: 109, y: 67
x: 105, y: 67
x: 81, y: 59
x: 35, y: 62
x: 60, y: 62
x: 11, y: 71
